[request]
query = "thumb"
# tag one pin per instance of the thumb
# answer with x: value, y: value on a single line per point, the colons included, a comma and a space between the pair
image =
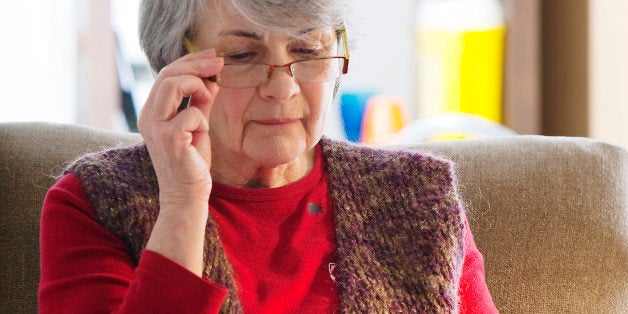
x: 201, y: 140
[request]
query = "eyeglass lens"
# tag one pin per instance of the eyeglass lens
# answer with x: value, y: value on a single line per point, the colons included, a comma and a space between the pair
x: 306, y: 71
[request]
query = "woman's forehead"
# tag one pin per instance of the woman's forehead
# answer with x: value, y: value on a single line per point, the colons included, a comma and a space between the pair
x: 262, y: 35
x: 221, y: 22
x: 229, y: 32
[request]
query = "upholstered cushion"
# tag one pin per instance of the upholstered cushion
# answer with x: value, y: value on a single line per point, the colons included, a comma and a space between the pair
x: 549, y: 214
x: 32, y: 155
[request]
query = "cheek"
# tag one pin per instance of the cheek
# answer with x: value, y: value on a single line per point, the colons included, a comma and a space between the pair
x: 229, y: 107
x: 320, y: 98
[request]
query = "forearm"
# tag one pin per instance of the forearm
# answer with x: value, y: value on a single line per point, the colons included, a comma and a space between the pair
x: 86, y: 269
x: 163, y: 286
x: 179, y: 234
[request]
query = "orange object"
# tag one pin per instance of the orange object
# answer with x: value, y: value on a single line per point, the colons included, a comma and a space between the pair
x: 383, y: 118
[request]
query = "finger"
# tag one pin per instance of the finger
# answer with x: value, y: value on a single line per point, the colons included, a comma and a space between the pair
x: 202, y: 64
x: 205, y: 102
x: 190, y: 120
x: 172, y: 91
x: 202, y: 142
x: 196, y: 123
x: 190, y: 127
x: 177, y: 133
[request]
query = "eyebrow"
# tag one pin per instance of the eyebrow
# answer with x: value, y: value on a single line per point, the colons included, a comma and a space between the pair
x: 242, y: 33
x: 253, y: 35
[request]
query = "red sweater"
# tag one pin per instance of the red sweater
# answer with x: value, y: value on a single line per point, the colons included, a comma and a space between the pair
x: 282, y: 257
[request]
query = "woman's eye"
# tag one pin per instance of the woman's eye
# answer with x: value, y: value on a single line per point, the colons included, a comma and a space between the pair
x: 309, y: 52
x: 239, y: 57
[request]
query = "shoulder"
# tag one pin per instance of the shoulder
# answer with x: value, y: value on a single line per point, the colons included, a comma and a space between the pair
x: 348, y: 159
x: 121, y: 170
x: 121, y: 165
x: 122, y: 190
x: 126, y: 156
x: 115, y: 178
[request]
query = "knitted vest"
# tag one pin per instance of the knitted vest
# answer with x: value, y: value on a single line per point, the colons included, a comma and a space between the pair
x: 398, y: 222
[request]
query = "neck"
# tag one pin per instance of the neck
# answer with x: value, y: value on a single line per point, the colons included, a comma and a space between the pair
x: 243, y: 172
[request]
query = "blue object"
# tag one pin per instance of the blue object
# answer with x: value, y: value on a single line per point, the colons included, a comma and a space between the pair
x: 352, y: 106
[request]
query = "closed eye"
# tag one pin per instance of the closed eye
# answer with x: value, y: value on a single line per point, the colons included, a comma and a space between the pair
x: 239, y: 57
x: 308, y: 52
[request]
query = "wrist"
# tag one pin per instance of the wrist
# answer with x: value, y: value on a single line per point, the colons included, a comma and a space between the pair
x: 179, y: 234
x: 182, y: 199
x: 190, y: 212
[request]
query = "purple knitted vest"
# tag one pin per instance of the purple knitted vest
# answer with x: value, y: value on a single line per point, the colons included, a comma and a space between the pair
x: 398, y: 221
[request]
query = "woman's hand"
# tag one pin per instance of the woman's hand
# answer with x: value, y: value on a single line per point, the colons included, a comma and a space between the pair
x: 179, y: 144
x: 179, y: 147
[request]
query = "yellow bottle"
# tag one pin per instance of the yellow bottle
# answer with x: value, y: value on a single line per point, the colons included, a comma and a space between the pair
x: 460, y: 48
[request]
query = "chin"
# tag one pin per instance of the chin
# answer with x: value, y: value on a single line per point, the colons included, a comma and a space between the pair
x: 275, y: 150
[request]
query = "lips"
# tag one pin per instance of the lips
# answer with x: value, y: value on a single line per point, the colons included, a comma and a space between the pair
x: 275, y: 121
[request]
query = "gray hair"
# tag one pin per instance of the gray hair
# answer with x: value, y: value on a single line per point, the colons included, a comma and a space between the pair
x: 163, y: 23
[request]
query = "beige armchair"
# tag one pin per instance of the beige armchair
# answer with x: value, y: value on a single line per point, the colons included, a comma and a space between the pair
x: 549, y: 214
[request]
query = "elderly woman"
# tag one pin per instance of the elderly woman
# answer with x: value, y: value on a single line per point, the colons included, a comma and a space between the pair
x: 235, y: 202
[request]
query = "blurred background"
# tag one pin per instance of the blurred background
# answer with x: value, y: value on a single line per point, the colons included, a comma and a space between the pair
x: 422, y: 70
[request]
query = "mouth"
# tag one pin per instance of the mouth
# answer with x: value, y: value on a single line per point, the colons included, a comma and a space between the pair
x: 271, y: 122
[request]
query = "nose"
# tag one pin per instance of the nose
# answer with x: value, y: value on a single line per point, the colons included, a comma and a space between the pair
x: 280, y: 85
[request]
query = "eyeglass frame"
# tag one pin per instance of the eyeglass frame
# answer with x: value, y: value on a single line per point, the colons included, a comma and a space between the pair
x: 189, y: 46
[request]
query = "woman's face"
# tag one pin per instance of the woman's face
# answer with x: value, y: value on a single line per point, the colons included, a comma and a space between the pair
x: 280, y: 120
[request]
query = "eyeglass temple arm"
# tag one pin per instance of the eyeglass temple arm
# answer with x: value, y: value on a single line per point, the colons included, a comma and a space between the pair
x: 343, y: 35
x: 189, y: 46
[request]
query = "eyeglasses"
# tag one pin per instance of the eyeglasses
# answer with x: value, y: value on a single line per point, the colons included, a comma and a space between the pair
x: 307, y: 71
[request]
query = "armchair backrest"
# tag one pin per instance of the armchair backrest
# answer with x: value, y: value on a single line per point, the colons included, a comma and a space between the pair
x: 549, y: 214
x: 32, y: 156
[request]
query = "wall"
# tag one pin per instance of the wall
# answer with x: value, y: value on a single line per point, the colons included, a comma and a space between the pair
x: 585, y: 69
x: 99, y: 97
x: 39, y: 49
x: 608, y: 70
x: 384, y: 58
